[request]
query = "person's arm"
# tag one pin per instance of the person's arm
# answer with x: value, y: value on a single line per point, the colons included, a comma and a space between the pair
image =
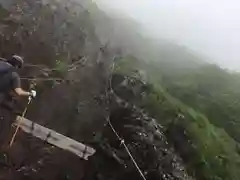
x: 21, y: 92
x: 16, y: 83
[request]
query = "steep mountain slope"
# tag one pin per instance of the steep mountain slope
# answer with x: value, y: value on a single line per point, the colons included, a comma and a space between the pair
x: 60, y: 41
x: 211, y: 91
x: 209, y: 151
x: 124, y: 36
x: 75, y: 43
x: 60, y: 37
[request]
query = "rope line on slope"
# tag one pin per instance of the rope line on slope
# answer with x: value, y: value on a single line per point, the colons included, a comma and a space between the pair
x: 127, y: 150
x: 81, y: 61
x: 122, y: 141
x: 43, y: 79
x: 18, y: 125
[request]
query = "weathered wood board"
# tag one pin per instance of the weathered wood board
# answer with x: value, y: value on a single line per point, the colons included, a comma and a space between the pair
x: 55, y: 138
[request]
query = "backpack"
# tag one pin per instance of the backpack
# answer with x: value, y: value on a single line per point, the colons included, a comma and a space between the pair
x: 5, y: 68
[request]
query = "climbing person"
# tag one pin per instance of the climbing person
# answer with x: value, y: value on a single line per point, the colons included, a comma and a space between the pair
x: 10, y: 80
x: 10, y: 90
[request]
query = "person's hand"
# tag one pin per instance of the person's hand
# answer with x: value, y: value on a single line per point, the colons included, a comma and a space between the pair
x: 33, y: 93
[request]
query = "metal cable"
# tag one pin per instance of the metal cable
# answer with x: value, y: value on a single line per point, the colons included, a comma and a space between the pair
x: 43, y: 79
x: 69, y: 66
x: 126, y: 148
x: 19, y: 122
x: 118, y: 136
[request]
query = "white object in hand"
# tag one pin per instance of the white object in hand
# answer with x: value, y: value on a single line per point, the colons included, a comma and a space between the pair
x: 33, y: 93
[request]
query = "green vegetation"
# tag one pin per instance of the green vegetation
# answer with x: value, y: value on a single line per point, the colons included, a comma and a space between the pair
x: 61, y: 66
x: 3, y: 13
x: 216, y: 155
x: 205, y: 102
x: 212, y: 91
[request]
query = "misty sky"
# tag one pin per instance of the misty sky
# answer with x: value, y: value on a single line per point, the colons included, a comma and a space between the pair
x: 211, y: 27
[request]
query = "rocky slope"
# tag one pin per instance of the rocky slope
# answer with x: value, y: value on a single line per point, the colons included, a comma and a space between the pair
x: 62, y: 38
x: 31, y: 158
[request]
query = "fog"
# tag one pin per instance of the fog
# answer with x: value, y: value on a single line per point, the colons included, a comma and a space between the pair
x: 211, y: 28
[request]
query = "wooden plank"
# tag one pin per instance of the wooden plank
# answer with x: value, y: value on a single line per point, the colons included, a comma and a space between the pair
x: 55, y: 138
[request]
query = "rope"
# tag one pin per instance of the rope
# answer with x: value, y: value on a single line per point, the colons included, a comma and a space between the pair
x: 43, y: 79
x: 69, y: 66
x: 18, y: 126
x: 128, y: 151
x: 118, y: 136
x: 35, y: 65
